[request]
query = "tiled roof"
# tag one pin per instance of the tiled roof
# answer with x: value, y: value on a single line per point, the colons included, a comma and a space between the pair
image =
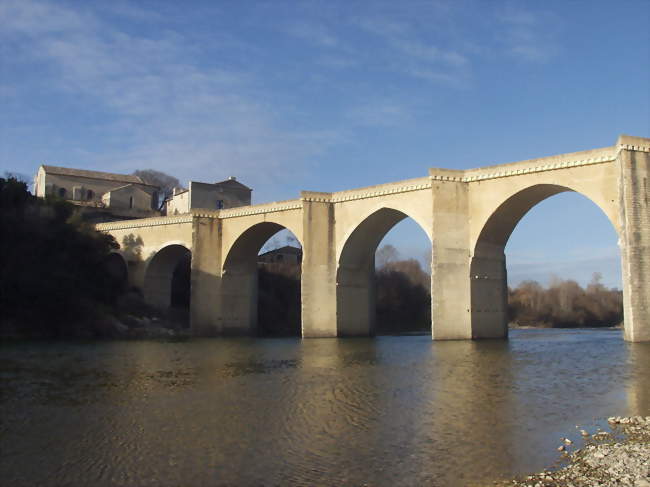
x: 232, y: 183
x: 287, y: 249
x: 124, y: 187
x: 83, y: 173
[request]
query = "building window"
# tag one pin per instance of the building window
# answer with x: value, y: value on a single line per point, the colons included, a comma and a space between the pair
x: 219, y: 204
x: 62, y: 192
x: 90, y: 194
x: 130, y: 201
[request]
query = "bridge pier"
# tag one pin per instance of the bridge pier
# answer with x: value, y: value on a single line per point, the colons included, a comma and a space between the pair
x: 356, y: 301
x: 634, y: 167
x: 205, y: 298
x: 318, y: 281
x: 489, y: 287
x: 472, y: 214
x: 450, y: 265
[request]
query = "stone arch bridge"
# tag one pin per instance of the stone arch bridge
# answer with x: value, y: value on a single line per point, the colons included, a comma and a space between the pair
x: 467, y: 214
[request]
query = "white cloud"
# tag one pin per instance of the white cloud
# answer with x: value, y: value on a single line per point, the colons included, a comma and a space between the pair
x: 528, y: 35
x: 176, y: 114
x: 578, y: 264
x: 40, y: 18
x: 336, y: 62
x: 314, y: 33
x: 379, y: 113
x: 384, y: 27
x: 429, y: 53
x: 410, y: 53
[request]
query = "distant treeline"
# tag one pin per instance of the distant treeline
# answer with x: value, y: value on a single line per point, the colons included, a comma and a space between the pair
x: 278, y: 303
x: 403, y: 297
x: 565, y: 304
x: 404, y: 300
x: 55, y: 280
x: 53, y: 273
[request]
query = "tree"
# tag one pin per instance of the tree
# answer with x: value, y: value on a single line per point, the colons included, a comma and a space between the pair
x: 164, y: 181
x: 54, y: 273
x: 385, y: 255
x: 565, y: 304
x: 17, y: 176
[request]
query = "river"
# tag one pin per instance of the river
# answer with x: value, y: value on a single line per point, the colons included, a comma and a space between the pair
x: 386, y: 411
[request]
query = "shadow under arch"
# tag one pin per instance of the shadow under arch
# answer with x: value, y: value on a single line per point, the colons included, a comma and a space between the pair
x: 160, y: 275
x: 488, y: 273
x: 355, y: 287
x: 239, y: 279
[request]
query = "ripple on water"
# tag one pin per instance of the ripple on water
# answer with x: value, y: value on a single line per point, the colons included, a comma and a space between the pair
x: 387, y: 411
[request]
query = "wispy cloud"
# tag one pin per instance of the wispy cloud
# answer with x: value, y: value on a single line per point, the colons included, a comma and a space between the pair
x: 220, y: 99
x: 379, y: 113
x: 410, y: 52
x: 382, y: 43
x: 383, y: 27
x: 579, y: 264
x: 171, y: 113
x: 314, y: 33
x: 429, y: 53
x: 528, y: 35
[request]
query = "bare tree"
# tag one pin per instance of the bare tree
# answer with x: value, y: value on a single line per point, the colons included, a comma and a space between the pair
x: 271, y: 244
x: 385, y: 255
x: 164, y: 181
x: 291, y: 240
x: 565, y: 303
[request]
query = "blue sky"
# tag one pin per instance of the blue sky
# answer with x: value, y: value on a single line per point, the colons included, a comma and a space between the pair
x: 331, y: 95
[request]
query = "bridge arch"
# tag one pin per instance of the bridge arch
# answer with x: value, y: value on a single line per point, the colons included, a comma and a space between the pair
x: 488, y: 274
x: 159, y: 273
x: 239, y: 278
x: 355, y: 288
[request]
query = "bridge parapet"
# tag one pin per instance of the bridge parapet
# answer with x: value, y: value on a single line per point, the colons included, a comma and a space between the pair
x: 632, y: 143
x: 468, y: 224
x: 144, y: 222
x: 551, y: 163
x: 379, y: 190
x: 442, y: 174
x: 316, y: 196
x: 272, y: 207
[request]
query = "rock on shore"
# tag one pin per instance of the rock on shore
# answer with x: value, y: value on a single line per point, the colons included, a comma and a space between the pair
x: 620, y: 458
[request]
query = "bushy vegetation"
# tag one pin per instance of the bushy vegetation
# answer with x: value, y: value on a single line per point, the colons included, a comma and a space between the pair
x: 278, y: 309
x: 403, y: 297
x: 54, y: 281
x: 565, y: 304
x: 53, y: 273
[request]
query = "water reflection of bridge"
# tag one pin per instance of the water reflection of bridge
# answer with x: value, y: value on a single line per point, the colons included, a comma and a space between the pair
x: 467, y: 214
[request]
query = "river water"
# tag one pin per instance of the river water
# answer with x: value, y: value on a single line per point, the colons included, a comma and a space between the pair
x: 384, y: 411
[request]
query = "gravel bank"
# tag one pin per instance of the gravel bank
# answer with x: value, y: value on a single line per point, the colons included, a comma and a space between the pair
x: 618, y: 458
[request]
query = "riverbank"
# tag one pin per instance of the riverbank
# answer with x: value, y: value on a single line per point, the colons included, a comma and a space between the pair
x: 106, y: 327
x: 618, y: 458
x: 547, y: 326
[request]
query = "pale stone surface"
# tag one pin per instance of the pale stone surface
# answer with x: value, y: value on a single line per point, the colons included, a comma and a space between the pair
x: 90, y: 187
x: 620, y: 458
x: 210, y: 196
x: 468, y: 216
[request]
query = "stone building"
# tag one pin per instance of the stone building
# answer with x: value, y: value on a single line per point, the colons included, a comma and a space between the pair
x: 96, y: 189
x: 129, y: 196
x: 214, y: 196
x: 283, y: 255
